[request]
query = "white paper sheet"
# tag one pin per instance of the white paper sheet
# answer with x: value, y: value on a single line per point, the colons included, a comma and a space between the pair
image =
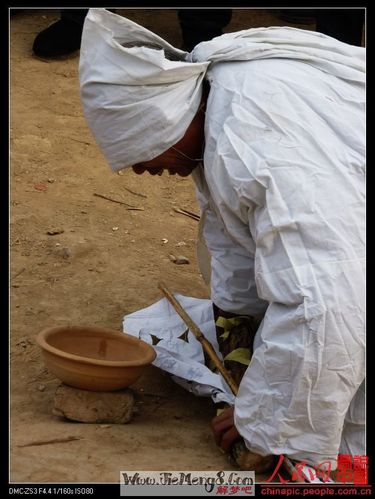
x: 184, y: 360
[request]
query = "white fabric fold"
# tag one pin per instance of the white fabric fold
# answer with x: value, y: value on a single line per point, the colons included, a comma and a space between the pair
x: 317, y: 49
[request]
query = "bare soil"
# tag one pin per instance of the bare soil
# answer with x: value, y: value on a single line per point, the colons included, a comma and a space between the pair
x: 102, y: 262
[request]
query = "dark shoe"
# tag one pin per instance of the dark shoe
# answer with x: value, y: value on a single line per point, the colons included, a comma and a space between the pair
x: 199, y: 25
x: 298, y: 16
x: 61, y: 38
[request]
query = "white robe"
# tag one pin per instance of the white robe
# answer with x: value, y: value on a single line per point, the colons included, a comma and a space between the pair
x: 283, y: 196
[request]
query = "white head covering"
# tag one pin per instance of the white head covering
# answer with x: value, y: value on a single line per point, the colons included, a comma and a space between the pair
x: 311, y: 47
x: 136, y: 101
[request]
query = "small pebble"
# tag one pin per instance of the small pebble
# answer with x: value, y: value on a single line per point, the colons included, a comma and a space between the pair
x: 54, y: 232
x: 41, y: 387
x: 66, y: 253
x: 181, y: 260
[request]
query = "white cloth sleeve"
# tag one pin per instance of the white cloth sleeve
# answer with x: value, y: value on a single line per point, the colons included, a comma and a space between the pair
x: 233, y: 287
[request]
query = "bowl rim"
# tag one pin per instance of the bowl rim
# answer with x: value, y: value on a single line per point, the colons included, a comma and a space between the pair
x: 149, y: 351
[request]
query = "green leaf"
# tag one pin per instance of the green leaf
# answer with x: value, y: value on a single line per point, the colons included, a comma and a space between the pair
x: 241, y: 355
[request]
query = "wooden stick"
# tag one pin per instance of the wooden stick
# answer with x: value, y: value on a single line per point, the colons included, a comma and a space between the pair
x: 19, y: 273
x: 187, y: 214
x: 207, y: 347
x: 135, y: 193
x: 113, y: 200
x: 190, y: 213
x: 53, y: 441
x: 80, y: 141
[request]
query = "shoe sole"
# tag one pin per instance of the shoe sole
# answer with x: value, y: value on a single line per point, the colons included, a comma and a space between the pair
x: 62, y: 57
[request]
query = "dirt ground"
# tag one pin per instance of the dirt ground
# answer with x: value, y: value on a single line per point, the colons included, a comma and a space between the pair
x: 104, y: 262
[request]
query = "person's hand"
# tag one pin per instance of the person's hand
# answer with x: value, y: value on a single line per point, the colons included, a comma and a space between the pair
x: 225, y: 433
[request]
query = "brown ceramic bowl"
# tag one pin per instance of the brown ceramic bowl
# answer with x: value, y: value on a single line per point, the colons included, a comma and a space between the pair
x: 94, y: 358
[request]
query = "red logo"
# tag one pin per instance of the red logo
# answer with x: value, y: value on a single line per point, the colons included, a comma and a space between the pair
x: 350, y: 469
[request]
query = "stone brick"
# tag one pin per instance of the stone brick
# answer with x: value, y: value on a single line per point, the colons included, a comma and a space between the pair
x: 94, y: 407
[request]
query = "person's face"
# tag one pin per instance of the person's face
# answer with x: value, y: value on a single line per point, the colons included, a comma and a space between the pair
x: 183, y: 157
x: 171, y: 161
